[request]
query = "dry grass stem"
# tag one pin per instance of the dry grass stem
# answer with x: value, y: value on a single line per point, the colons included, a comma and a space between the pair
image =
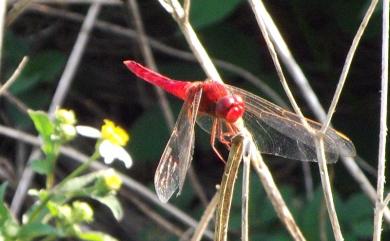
x: 206, y: 217
x: 75, y: 57
x: 16, y: 10
x: 178, y: 13
x: 245, y: 189
x: 380, y: 203
x: 255, y: 5
x: 291, y: 65
x: 314, y: 103
x: 347, y: 64
x: 154, y: 216
x: 14, y: 75
x: 227, y: 187
x: 275, y: 197
x: 327, y: 189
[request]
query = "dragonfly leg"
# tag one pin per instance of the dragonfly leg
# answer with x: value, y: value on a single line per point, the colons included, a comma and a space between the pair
x: 231, y: 131
x: 223, y: 136
x: 213, y: 135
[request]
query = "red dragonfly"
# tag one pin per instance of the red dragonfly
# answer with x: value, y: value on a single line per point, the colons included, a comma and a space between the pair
x: 216, y: 108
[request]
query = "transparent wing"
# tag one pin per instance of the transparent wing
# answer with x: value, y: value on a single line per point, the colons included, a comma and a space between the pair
x: 280, y: 132
x: 175, y: 160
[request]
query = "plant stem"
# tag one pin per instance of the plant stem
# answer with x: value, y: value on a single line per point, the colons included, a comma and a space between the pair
x: 75, y: 173
x: 226, y: 190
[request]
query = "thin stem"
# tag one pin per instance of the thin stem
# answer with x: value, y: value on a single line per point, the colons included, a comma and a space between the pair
x: 327, y: 189
x: 206, y: 217
x: 14, y: 76
x: 74, y: 58
x: 227, y: 187
x: 255, y: 4
x: 80, y: 169
x: 178, y: 13
x: 16, y: 10
x: 347, y: 64
x: 313, y: 102
x: 291, y: 65
x: 275, y: 197
x: 152, y: 214
x: 378, y: 216
x: 245, y: 190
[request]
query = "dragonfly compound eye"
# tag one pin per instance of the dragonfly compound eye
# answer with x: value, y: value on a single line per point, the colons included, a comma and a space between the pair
x: 230, y: 108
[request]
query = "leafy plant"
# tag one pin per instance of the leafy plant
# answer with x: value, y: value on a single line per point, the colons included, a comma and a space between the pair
x: 58, y: 211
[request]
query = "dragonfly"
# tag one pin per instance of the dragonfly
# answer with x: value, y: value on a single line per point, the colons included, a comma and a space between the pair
x: 217, y: 108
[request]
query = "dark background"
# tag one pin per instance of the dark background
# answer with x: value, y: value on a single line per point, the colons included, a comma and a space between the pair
x: 319, y: 34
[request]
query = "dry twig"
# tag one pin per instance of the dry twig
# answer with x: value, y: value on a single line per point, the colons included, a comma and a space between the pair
x: 380, y: 203
x: 14, y: 76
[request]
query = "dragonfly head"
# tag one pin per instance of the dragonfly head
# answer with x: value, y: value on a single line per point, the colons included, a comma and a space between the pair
x: 230, y: 108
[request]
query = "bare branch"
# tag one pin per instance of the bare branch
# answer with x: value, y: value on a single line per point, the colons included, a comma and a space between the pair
x: 378, y: 216
x: 255, y: 4
x: 347, y: 64
x: 16, y: 10
x: 74, y: 58
x: 327, y: 188
x: 206, y: 217
x: 14, y: 76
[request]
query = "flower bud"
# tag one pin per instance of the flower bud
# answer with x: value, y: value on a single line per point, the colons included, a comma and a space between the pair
x: 82, y: 212
x: 65, y: 116
x: 68, y: 132
x: 112, y: 180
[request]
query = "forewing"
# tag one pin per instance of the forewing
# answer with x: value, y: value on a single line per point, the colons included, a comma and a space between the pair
x: 174, y: 163
x: 280, y: 132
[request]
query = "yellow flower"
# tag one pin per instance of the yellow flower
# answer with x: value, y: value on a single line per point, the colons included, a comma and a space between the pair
x: 115, y: 134
x: 113, y: 139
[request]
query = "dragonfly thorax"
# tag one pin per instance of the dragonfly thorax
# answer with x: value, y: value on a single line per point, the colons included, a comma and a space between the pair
x: 230, y: 108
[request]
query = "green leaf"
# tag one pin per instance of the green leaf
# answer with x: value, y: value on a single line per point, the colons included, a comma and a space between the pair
x: 358, y: 207
x: 42, y: 167
x: 42, y: 123
x: 5, y: 214
x: 96, y: 236
x: 112, y: 203
x: 3, y: 187
x: 236, y: 48
x: 363, y: 229
x: 80, y: 182
x: 14, y: 50
x: 206, y: 12
x: 43, y: 67
x: 34, y: 230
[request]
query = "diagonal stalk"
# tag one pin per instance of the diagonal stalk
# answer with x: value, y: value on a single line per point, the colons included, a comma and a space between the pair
x: 227, y: 187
